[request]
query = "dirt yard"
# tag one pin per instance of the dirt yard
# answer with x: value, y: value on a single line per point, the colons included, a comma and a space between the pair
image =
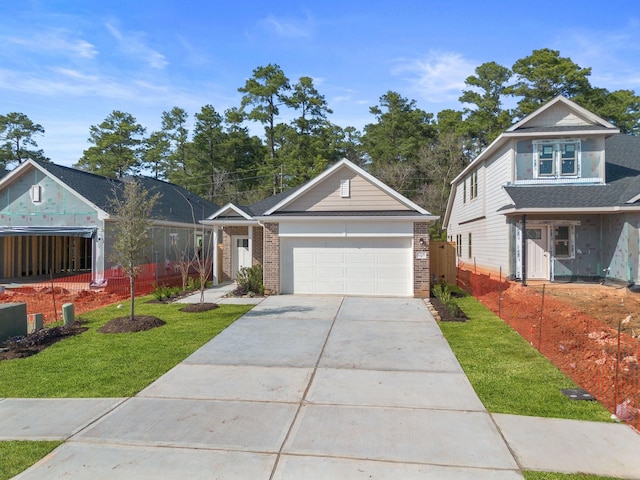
x: 608, y: 304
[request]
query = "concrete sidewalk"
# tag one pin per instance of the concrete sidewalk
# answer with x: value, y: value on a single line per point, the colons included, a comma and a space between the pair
x: 317, y: 388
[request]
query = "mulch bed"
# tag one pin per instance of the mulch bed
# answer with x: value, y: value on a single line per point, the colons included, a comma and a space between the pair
x: 445, y: 315
x: 199, y: 307
x: 23, y: 347
x: 139, y: 323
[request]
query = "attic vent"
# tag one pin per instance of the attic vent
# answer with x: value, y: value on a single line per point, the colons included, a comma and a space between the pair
x: 36, y: 193
x: 344, y: 188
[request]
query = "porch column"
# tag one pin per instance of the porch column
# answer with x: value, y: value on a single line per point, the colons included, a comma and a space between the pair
x: 250, y: 235
x: 214, y: 275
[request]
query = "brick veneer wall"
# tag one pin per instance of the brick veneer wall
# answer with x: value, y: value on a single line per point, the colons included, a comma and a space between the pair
x: 421, y: 277
x: 271, y: 261
x: 258, y: 246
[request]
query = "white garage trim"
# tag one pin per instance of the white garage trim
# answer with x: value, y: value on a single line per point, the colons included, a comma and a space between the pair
x: 380, y: 266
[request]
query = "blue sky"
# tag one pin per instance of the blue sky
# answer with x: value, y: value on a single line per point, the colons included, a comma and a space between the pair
x: 68, y: 64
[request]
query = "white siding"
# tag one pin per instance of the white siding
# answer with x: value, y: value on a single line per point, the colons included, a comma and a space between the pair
x: 490, y: 232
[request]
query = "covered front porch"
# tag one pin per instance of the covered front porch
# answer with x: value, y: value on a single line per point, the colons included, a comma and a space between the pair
x: 574, y: 248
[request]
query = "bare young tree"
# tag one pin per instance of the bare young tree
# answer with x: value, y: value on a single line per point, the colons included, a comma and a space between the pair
x: 132, y: 206
x: 202, y: 259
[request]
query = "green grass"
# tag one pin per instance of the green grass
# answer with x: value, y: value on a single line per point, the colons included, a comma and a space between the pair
x: 563, y: 476
x: 507, y: 373
x: 94, y: 364
x: 18, y: 456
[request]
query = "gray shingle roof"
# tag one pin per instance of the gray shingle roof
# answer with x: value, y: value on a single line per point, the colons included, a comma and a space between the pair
x: 622, y: 176
x: 176, y: 204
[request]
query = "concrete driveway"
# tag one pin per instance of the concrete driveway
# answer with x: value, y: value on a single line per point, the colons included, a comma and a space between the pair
x: 301, y: 388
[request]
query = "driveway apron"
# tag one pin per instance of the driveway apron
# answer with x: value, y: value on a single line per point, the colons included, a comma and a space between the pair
x: 301, y: 387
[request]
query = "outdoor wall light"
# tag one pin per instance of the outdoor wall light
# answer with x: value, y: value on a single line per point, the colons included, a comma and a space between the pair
x: 423, y: 243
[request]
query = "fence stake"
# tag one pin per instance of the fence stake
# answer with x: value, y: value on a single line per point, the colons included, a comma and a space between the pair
x: 53, y: 292
x: 541, y: 314
x: 500, y: 294
x: 615, y: 385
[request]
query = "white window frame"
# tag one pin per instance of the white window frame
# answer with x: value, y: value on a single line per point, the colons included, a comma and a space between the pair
x: 570, y: 241
x: 557, y: 147
x: 474, y: 185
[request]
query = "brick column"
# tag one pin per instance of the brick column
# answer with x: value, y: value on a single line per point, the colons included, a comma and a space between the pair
x: 421, y: 275
x: 271, y: 262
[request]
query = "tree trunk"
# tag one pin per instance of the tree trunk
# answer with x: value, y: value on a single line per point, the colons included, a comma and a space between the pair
x: 132, y: 290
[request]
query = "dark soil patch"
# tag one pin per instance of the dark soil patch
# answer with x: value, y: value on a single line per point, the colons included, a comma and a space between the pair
x: 139, y: 323
x: 199, y: 307
x: 22, y: 347
x: 445, y: 315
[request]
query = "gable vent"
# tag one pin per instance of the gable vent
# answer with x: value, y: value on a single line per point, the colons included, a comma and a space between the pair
x: 344, y: 188
x: 36, y: 193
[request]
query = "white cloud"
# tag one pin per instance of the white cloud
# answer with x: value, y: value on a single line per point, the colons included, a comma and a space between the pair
x: 288, y: 27
x: 132, y: 44
x: 614, y: 57
x: 438, y: 78
x: 55, y: 41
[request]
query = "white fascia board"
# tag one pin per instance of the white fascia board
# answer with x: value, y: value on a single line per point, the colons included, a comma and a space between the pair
x: 372, y: 218
x: 227, y: 222
x: 102, y: 215
x: 569, y: 211
x: 344, y: 162
x: 447, y: 212
x: 232, y: 207
x: 634, y: 199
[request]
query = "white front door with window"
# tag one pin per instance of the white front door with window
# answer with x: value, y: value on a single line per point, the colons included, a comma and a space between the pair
x: 241, y: 254
x: 537, y: 253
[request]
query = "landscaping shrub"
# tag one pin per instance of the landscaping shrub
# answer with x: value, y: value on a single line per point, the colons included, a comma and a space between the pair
x: 442, y: 292
x: 250, y: 280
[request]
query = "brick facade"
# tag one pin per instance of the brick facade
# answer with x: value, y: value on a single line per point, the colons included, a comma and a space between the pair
x: 271, y: 260
x: 421, y: 274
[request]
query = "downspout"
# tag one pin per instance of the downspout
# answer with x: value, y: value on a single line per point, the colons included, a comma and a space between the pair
x: 524, y: 250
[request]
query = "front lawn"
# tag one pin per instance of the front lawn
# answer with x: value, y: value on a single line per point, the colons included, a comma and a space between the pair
x: 564, y: 476
x: 507, y: 373
x: 95, y: 364
x: 17, y: 456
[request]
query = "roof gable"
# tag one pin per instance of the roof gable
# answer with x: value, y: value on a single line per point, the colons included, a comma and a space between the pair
x: 344, y: 187
x: 175, y: 204
x: 561, y: 112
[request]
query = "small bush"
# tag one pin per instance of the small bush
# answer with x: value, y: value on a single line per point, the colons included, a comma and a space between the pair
x: 159, y: 292
x: 441, y: 292
x: 250, y: 280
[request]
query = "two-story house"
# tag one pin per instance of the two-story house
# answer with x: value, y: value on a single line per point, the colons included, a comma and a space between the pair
x: 555, y: 197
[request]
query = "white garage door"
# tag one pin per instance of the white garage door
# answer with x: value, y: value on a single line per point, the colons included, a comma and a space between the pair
x: 349, y: 266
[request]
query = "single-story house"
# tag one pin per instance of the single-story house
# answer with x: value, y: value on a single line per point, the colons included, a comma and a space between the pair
x: 58, y: 220
x: 555, y: 197
x: 344, y: 232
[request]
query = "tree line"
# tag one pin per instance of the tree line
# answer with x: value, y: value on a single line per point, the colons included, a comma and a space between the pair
x: 413, y: 151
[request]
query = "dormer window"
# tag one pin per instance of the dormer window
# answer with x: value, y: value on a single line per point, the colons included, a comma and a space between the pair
x: 556, y: 158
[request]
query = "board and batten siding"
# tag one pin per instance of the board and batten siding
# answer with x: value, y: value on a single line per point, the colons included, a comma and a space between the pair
x: 489, y: 229
x: 363, y: 196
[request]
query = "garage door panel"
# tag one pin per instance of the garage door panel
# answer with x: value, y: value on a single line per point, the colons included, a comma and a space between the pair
x: 351, y: 266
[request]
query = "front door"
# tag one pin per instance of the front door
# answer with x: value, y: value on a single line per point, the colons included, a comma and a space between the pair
x: 241, y: 254
x: 537, y: 256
